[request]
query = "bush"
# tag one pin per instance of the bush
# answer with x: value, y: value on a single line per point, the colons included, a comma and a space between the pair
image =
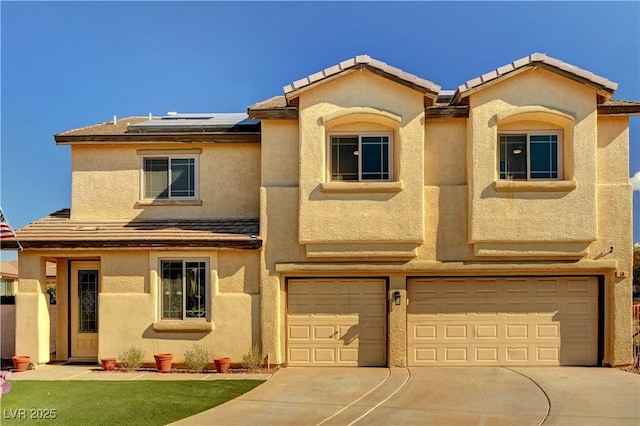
x: 131, y: 359
x: 196, y: 358
x: 252, y: 360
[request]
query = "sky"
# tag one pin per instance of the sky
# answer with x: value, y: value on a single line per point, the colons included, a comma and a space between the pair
x: 65, y: 65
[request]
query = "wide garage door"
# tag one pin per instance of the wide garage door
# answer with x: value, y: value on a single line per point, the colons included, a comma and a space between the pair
x: 336, y: 322
x: 503, y: 321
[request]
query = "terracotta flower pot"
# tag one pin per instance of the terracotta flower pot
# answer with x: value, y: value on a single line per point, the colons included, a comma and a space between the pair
x: 163, y: 362
x: 108, y: 364
x: 222, y: 364
x: 21, y: 362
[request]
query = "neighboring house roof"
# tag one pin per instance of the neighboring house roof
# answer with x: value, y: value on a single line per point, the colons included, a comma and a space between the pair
x: 59, y: 230
x: 205, y: 127
x: 9, y: 269
x: 601, y: 84
x: 363, y: 61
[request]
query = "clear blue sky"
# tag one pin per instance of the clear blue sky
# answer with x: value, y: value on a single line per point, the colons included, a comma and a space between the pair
x: 71, y: 64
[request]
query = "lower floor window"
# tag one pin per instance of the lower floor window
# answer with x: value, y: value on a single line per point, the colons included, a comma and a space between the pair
x: 6, y: 287
x: 184, y: 289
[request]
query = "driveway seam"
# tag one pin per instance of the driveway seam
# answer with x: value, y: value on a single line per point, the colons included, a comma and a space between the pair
x: 384, y: 400
x: 357, y: 400
x: 546, y: 416
x: 75, y: 375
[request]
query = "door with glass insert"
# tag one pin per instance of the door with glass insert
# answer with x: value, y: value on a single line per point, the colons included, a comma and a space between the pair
x: 85, y: 287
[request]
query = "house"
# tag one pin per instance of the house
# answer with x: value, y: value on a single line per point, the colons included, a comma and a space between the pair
x: 363, y: 218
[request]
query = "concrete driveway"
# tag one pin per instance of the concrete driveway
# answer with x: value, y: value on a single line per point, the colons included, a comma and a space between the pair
x: 435, y: 396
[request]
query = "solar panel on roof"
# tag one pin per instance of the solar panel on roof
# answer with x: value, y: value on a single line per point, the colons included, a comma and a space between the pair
x: 201, y: 121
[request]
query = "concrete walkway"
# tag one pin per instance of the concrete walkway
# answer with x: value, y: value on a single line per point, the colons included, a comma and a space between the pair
x: 407, y: 396
x: 435, y: 396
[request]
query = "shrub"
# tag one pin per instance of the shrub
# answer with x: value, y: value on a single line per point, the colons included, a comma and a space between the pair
x: 131, y: 359
x: 252, y: 360
x: 196, y: 358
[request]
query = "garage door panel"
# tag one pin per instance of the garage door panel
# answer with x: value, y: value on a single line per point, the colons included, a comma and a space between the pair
x: 346, y: 319
x: 516, y: 324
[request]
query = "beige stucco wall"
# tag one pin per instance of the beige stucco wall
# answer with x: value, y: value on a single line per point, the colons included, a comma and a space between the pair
x: 446, y: 213
x: 8, y: 331
x: 129, y: 304
x: 361, y: 217
x: 525, y: 217
x: 106, y: 182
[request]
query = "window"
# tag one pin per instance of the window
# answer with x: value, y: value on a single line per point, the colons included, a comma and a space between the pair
x: 529, y: 156
x: 183, y: 289
x: 364, y: 157
x: 6, y: 287
x: 169, y: 177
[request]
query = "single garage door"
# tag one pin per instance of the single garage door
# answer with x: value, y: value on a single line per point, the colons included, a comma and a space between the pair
x: 503, y: 321
x: 336, y: 322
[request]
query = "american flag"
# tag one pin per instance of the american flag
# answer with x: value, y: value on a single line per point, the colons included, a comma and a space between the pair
x: 5, y: 229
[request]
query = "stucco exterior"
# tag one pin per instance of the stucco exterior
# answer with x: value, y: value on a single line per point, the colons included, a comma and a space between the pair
x: 444, y: 213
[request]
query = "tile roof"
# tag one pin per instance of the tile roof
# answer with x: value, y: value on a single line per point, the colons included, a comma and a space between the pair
x: 105, y: 128
x: 364, y: 61
x: 273, y: 102
x: 619, y: 107
x: 59, y: 230
x: 9, y: 269
x: 536, y: 59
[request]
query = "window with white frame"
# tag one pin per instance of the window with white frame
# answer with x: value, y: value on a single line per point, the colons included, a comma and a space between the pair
x: 169, y: 177
x: 529, y: 156
x: 184, y: 289
x: 360, y: 157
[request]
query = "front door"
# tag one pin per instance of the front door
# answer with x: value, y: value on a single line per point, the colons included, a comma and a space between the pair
x: 85, y: 286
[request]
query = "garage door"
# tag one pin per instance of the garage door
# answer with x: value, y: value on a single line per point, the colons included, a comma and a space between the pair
x: 336, y: 322
x: 503, y: 321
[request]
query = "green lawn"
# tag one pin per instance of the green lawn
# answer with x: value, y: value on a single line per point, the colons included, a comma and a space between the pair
x: 114, y: 402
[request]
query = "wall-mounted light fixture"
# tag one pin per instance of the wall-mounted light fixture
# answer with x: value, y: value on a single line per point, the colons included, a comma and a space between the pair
x: 396, y: 297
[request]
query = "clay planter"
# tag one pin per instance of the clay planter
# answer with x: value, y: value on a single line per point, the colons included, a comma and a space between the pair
x: 108, y: 364
x: 21, y: 362
x: 222, y: 364
x: 163, y: 362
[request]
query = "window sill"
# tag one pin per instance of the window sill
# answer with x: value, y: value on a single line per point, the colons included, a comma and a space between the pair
x: 360, y: 187
x: 534, y: 186
x: 183, y: 327
x: 147, y: 203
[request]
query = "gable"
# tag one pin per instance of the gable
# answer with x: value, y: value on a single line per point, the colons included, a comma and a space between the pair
x: 604, y: 87
x: 429, y: 89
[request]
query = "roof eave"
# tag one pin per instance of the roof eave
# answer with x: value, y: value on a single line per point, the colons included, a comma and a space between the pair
x: 239, y: 137
x: 449, y: 111
x: 621, y: 110
x: 238, y: 244
x: 286, y: 113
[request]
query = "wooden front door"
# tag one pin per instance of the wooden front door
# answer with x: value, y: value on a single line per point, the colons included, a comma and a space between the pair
x: 85, y: 287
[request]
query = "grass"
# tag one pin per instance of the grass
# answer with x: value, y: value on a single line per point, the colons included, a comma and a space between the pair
x: 115, y: 402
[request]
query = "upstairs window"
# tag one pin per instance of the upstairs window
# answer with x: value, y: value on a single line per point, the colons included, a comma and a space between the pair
x: 183, y: 289
x: 169, y: 177
x: 529, y: 156
x: 363, y: 157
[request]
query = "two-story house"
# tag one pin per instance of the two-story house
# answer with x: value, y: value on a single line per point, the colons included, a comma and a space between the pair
x: 365, y: 217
